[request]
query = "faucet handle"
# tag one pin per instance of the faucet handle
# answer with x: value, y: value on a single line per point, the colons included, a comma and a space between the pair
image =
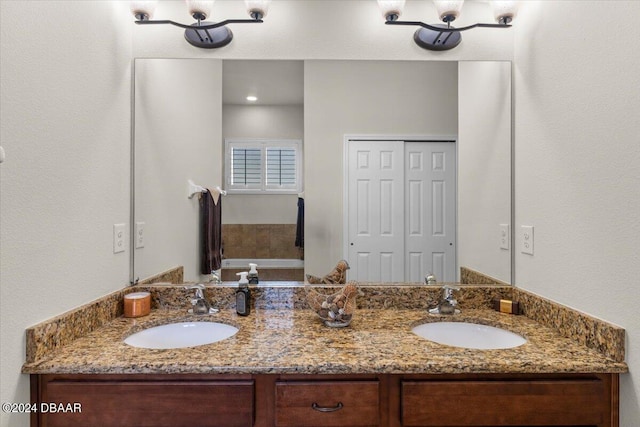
x: 448, y: 292
x: 199, y: 287
x: 430, y: 279
x: 215, y: 277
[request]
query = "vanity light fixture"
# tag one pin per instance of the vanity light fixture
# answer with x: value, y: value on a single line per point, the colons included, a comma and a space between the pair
x: 252, y: 98
x: 204, y: 34
x: 444, y: 36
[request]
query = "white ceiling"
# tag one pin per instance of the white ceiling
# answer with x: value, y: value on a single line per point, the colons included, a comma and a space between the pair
x: 273, y: 82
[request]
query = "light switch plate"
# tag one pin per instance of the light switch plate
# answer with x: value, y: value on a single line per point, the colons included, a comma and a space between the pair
x: 118, y: 238
x: 526, y: 239
x: 504, y: 236
x: 139, y: 235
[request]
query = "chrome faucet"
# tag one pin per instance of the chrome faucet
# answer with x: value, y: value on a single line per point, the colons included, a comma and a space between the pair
x: 448, y: 303
x: 430, y: 279
x: 200, y: 304
x: 215, y: 277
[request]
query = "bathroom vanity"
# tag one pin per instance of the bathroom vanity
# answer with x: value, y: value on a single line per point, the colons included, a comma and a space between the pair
x: 330, y: 400
x: 285, y: 368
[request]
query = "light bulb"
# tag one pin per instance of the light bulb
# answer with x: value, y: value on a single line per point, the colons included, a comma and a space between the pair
x: 448, y: 10
x: 391, y: 9
x: 505, y: 11
x: 257, y: 9
x: 199, y: 9
x: 143, y: 9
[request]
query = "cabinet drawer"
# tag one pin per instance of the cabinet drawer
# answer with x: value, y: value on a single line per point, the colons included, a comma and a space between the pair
x: 152, y: 403
x: 504, y: 403
x: 327, y: 403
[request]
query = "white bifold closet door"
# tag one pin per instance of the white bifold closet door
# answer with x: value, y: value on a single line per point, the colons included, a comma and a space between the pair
x: 401, y: 210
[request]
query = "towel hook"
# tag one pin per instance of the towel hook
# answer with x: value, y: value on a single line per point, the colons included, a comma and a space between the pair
x: 193, y: 189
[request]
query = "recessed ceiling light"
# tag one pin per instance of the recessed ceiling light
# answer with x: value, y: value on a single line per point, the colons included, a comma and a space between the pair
x: 252, y: 98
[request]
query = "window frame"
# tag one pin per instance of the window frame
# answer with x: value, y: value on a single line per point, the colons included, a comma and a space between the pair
x: 263, y: 145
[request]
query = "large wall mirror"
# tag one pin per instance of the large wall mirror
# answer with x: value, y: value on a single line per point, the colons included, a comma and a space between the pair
x: 456, y: 114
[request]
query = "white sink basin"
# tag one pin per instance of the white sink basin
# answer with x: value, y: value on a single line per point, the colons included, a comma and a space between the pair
x: 468, y: 335
x: 180, y: 335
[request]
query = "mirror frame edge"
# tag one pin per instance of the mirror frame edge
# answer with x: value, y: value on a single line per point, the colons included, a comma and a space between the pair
x: 132, y: 178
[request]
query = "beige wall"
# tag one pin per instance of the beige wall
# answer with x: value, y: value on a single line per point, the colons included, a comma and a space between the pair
x: 174, y: 142
x: 180, y: 130
x: 65, y: 128
x: 261, y: 121
x: 577, y: 150
x: 363, y: 97
x: 65, y: 94
x: 484, y: 165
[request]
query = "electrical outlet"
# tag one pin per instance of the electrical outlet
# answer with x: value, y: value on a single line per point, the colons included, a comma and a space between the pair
x: 118, y: 238
x: 526, y: 239
x: 139, y: 235
x: 504, y: 236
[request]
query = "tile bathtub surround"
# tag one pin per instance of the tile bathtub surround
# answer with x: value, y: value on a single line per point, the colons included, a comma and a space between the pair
x: 469, y: 276
x: 594, y: 333
x: 267, y: 274
x: 271, y: 241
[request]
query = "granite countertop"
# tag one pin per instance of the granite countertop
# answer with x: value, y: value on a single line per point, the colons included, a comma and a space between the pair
x: 274, y: 341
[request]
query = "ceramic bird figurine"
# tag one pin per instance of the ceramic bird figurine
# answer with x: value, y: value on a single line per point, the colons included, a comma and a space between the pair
x: 337, y: 276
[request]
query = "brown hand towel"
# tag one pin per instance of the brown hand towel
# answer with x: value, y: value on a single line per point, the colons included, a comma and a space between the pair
x: 211, y: 233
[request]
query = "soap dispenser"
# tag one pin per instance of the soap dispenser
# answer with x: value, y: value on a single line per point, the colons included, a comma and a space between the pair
x: 253, y: 274
x: 243, y: 295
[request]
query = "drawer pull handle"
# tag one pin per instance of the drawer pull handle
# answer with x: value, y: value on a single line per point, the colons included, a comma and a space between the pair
x: 318, y: 408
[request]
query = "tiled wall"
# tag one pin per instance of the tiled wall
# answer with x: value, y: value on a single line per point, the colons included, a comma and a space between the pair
x: 268, y: 274
x: 271, y: 241
x: 262, y: 241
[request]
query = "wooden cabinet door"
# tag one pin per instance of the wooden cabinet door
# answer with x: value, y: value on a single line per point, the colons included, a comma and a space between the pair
x: 151, y: 403
x: 505, y: 403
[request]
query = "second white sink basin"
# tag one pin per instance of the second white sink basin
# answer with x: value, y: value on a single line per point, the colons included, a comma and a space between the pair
x: 181, y: 335
x: 468, y: 335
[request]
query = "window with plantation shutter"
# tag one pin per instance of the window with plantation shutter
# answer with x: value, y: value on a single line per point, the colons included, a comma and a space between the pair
x: 246, y: 167
x: 281, y: 167
x: 263, y: 166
